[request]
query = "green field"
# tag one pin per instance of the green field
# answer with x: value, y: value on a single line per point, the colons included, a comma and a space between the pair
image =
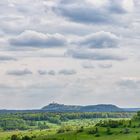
x: 104, y: 133
x: 76, y: 129
x: 74, y: 125
x: 6, y: 135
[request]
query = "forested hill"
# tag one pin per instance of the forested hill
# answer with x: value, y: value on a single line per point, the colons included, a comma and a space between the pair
x: 61, y: 107
x: 55, y: 107
x: 90, y: 108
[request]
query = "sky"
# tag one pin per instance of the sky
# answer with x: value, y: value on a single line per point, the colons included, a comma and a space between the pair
x: 69, y: 51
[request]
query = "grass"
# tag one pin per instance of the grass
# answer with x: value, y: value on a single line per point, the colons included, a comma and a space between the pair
x: 51, y: 133
x: 133, y: 135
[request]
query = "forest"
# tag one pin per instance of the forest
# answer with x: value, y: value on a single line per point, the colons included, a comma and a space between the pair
x: 25, y: 121
x: 55, y: 125
x: 105, y: 129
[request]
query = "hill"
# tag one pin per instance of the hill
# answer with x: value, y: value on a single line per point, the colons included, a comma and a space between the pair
x: 73, y: 108
x: 55, y: 107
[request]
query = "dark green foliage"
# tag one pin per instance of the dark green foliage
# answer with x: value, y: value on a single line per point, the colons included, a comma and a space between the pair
x: 126, y: 131
x: 80, y: 130
x: 23, y: 121
x: 137, y: 116
x: 114, y: 128
x: 26, y: 138
x: 64, y: 129
x: 13, y: 123
x: 96, y: 130
x: 93, y: 131
x: 130, y: 123
x: 112, y: 123
x: 108, y: 131
x: 97, y: 135
x: 42, y: 125
x: 14, y: 137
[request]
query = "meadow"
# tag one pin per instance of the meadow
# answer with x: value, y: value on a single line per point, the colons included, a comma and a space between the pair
x: 62, y: 126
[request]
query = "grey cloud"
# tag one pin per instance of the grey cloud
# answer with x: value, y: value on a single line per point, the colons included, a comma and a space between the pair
x: 67, y: 72
x: 3, y: 41
x: 105, y: 66
x: 91, y: 66
x: 116, y: 6
x: 82, y: 14
x: 60, y: 72
x: 42, y: 72
x: 94, y: 55
x: 7, y: 58
x: 133, y: 83
x: 5, y: 86
x: 37, y: 39
x: 19, y: 72
x: 99, y: 40
x: 51, y: 72
x: 88, y: 65
x: 86, y: 12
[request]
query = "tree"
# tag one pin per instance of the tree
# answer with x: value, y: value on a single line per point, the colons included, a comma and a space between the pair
x: 108, y: 131
x: 26, y: 138
x: 96, y: 130
x: 14, y: 137
x: 126, y: 131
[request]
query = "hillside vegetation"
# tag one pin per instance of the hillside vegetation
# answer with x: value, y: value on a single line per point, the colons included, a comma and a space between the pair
x: 106, y: 129
x: 103, y: 130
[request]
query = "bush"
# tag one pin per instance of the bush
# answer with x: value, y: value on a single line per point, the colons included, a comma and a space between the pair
x: 91, y: 132
x: 14, y: 137
x: 26, y: 138
x: 97, y: 135
x: 65, y: 129
x: 126, y: 131
x: 61, y: 131
x: 80, y: 130
x: 108, y: 131
x: 95, y: 131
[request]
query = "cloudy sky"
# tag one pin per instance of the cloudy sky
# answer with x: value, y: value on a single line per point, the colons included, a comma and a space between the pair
x: 69, y: 51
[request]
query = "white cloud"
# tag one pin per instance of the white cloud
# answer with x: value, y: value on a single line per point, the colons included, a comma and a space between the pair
x: 100, y: 55
x: 67, y: 72
x: 93, y: 12
x: 42, y: 72
x: 99, y: 40
x: 52, y: 72
x: 7, y: 58
x: 130, y: 83
x: 88, y: 65
x: 36, y: 39
x: 19, y: 72
x: 105, y: 66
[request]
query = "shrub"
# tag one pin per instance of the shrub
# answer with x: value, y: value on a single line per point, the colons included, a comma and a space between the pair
x: 14, y: 137
x: 126, y: 131
x: 26, y: 138
x: 91, y: 132
x: 80, y: 130
x: 108, y: 131
x: 97, y: 135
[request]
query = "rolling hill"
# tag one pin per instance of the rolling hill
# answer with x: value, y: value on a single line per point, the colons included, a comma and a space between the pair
x: 90, y: 108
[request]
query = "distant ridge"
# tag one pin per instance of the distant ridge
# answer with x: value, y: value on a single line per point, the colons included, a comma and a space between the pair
x: 61, y: 107
x: 55, y: 107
